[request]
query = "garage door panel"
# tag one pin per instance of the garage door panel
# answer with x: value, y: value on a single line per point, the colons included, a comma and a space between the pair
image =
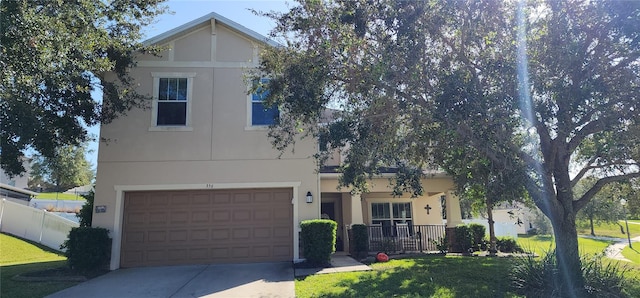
x: 200, y: 235
x: 207, y: 226
x: 242, y: 198
x: 221, y: 215
x: 200, y: 217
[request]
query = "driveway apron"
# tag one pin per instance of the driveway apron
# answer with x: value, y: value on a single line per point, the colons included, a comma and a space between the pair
x: 220, y: 280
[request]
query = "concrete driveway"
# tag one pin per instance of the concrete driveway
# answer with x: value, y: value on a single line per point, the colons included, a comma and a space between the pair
x: 221, y: 280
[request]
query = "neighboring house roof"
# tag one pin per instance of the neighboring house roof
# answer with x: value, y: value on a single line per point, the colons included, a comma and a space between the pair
x: 14, y: 192
x: 205, y: 20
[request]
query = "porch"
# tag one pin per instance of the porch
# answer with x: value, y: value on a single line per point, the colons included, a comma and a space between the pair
x: 403, y: 238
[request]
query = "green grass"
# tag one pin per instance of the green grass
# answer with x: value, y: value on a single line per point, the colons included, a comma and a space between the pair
x: 19, y: 256
x: 632, y: 254
x: 608, y: 229
x: 60, y: 196
x: 428, y: 276
x: 540, y: 244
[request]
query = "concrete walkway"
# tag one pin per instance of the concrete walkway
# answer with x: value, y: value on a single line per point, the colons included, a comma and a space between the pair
x: 614, y: 251
x: 340, y: 262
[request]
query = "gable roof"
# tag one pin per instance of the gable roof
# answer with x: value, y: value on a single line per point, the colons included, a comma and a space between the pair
x: 199, y: 22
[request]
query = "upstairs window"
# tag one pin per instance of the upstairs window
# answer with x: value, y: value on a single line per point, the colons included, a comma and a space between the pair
x: 172, y: 104
x: 172, y: 101
x: 262, y: 115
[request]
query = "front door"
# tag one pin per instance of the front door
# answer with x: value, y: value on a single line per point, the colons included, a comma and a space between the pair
x: 328, y: 211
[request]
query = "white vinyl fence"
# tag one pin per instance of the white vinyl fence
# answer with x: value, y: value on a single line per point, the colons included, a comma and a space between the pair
x: 34, y: 224
x: 502, y: 229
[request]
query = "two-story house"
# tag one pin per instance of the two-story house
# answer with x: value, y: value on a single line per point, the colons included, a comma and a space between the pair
x: 194, y: 179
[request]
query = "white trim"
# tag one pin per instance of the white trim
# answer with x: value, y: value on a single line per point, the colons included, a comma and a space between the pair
x: 154, y: 105
x: 116, y: 234
x: 196, y: 64
x: 199, y: 21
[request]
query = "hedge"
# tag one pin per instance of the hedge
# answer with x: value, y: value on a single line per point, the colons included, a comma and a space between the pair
x: 319, y: 240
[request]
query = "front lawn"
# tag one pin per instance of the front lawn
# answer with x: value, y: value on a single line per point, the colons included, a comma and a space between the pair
x: 19, y: 256
x: 424, y: 276
x: 60, y: 196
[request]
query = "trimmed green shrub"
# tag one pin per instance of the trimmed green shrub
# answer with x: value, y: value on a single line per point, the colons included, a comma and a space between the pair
x: 538, y: 278
x: 508, y: 244
x: 360, y: 245
x: 478, y: 232
x: 319, y: 240
x: 86, y: 213
x: 88, y: 248
x: 463, y: 239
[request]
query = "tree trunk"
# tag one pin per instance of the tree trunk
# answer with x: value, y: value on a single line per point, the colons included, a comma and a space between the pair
x: 492, y: 231
x: 591, y: 223
x: 570, y: 280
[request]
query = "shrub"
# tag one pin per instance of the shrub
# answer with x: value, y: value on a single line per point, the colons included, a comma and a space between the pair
x: 86, y: 213
x: 532, y: 278
x: 463, y: 239
x: 319, y: 240
x: 507, y: 244
x: 360, y: 244
x: 442, y: 245
x: 478, y: 232
x: 88, y: 248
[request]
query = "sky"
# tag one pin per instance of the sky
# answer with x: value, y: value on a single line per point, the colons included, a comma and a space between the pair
x: 184, y: 11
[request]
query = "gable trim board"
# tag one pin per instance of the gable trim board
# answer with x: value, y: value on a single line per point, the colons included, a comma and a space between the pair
x: 204, y: 21
x: 120, y: 196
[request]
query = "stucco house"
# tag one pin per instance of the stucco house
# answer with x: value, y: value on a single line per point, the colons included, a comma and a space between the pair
x: 194, y: 179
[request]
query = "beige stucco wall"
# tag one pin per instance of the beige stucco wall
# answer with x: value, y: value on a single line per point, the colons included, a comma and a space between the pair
x: 219, y: 150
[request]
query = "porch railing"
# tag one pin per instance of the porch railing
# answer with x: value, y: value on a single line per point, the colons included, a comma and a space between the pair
x: 396, y: 239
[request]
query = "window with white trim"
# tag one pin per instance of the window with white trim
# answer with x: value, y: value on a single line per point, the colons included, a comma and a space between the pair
x: 262, y: 115
x: 390, y: 214
x: 172, y: 100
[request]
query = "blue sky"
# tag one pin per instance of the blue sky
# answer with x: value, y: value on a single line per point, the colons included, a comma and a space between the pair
x: 186, y: 11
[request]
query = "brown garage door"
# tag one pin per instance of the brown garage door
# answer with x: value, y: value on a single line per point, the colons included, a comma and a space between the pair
x: 207, y: 226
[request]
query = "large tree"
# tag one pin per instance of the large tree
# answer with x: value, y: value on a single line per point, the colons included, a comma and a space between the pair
x: 53, y: 54
x: 555, y: 83
x: 68, y: 168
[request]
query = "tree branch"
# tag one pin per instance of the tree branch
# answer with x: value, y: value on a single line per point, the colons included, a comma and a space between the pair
x: 584, y: 200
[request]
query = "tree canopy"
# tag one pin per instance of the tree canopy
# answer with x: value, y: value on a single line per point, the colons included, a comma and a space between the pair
x: 539, y: 86
x: 67, y: 169
x: 53, y: 54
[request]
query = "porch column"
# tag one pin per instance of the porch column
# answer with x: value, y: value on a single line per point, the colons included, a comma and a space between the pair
x: 454, y: 217
x: 356, y: 209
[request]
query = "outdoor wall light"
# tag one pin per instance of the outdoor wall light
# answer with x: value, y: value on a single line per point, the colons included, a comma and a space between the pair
x: 309, y: 197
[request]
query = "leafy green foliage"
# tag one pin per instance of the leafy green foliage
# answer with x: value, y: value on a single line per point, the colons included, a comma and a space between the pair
x: 360, y: 239
x: 68, y: 168
x: 463, y: 239
x: 87, y: 249
x: 86, y: 212
x: 53, y: 55
x: 508, y: 245
x: 539, y: 278
x: 319, y: 240
x: 478, y: 232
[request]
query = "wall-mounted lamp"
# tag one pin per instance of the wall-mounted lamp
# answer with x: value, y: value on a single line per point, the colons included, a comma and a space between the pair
x: 309, y: 197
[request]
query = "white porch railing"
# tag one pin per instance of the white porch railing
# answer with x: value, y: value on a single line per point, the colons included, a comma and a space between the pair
x: 34, y: 224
